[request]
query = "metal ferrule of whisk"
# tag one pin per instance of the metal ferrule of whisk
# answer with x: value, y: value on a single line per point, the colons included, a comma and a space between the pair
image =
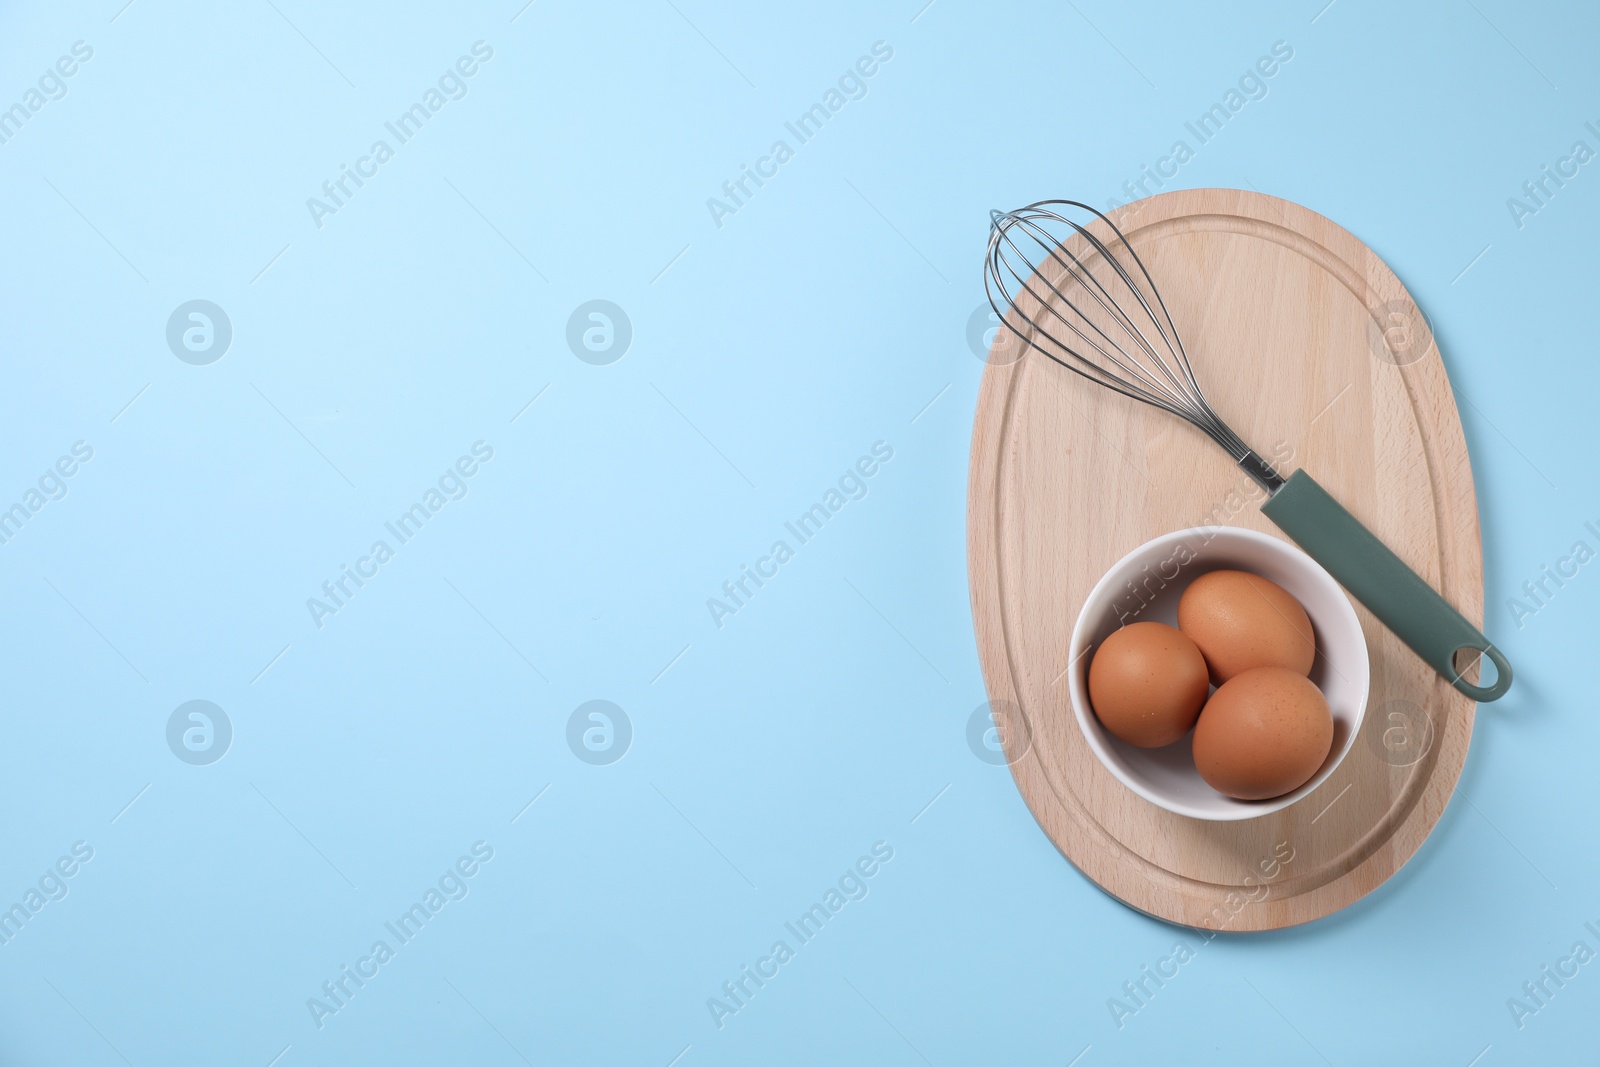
x: 1064, y: 279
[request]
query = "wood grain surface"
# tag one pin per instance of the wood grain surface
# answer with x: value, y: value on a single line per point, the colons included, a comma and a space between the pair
x: 1303, y: 340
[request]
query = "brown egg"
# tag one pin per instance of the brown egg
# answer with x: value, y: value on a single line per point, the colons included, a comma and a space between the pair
x: 1264, y: 733
x: 1241, y: 621
x: 1147, y: 682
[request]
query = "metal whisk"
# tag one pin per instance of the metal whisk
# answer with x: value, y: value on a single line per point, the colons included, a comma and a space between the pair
x: 1083, y: 298
x: 1097, y: 317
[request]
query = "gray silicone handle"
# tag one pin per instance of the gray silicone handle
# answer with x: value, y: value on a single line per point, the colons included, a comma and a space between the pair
x: 1375, y: 576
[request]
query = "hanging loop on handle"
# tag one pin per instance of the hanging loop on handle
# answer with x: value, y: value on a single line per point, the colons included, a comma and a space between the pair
x: 1485, y: 693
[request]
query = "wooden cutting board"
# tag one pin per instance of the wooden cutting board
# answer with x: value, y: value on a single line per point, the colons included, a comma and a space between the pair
x: 1302, y: 339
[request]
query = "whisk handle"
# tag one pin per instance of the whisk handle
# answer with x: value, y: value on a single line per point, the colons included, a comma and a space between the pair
x: 1393, y: 592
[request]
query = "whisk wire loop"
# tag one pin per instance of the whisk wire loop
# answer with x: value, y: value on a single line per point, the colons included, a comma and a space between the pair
x: 1108, y: 325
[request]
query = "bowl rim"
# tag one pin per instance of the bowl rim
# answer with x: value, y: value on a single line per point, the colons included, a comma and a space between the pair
x: 1094, y: 733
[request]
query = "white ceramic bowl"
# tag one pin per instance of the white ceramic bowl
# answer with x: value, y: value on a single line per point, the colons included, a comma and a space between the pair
x: 1145, y: 585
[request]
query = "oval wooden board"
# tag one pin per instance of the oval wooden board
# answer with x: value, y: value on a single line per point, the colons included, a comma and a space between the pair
x: 1301, y: 338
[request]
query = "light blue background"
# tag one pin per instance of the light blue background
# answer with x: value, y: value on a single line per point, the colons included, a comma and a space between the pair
x: 822, y: 317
